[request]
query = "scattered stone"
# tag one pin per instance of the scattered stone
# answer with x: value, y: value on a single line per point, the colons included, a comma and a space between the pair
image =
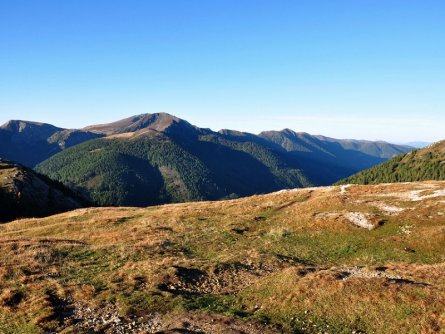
x: 344, y: 188
x: 360, y: 219
x: 108, y: 319
x: 406, y: 229
x: 364, y: 273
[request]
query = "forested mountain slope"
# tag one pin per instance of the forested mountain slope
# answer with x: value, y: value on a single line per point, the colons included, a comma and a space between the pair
x: 350, y: 154
x: 419, y: 165
x: 159, y: 158
x: 149, y: 167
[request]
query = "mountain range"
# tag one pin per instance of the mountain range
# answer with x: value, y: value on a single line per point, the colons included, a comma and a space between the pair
x: 159, y: 158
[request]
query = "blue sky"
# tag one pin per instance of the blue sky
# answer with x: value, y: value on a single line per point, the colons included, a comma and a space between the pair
x: 342, y: 68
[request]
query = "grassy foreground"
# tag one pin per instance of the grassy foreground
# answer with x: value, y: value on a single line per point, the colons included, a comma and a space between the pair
x: 358, y: 259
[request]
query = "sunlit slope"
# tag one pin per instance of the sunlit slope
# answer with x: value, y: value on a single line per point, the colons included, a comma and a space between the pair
x: 363, y: 259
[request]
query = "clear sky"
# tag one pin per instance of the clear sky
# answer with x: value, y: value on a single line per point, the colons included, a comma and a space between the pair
x: 343, y: 68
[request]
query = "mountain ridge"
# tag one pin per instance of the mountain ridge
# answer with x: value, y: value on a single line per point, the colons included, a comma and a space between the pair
x: 170, y: 160
x: 29, y: 143
x: 159, y: 158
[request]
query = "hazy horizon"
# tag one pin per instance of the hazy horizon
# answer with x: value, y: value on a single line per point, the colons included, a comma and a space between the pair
x: 370, y: 70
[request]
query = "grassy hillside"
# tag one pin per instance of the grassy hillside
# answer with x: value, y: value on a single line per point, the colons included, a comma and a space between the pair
x: 419, y: 165
x: 23, y: 193
x: 359, y: 259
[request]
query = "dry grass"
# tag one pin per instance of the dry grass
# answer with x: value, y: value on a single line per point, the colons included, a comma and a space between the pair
x: 281, y: 261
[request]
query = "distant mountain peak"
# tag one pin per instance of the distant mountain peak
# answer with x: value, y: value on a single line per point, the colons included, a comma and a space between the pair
x: 287, y: 132
x: 32, y: 142
x: 236, y: 133
x: 26, y: 131
x: 157, y: 121
x: 22, y: 126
